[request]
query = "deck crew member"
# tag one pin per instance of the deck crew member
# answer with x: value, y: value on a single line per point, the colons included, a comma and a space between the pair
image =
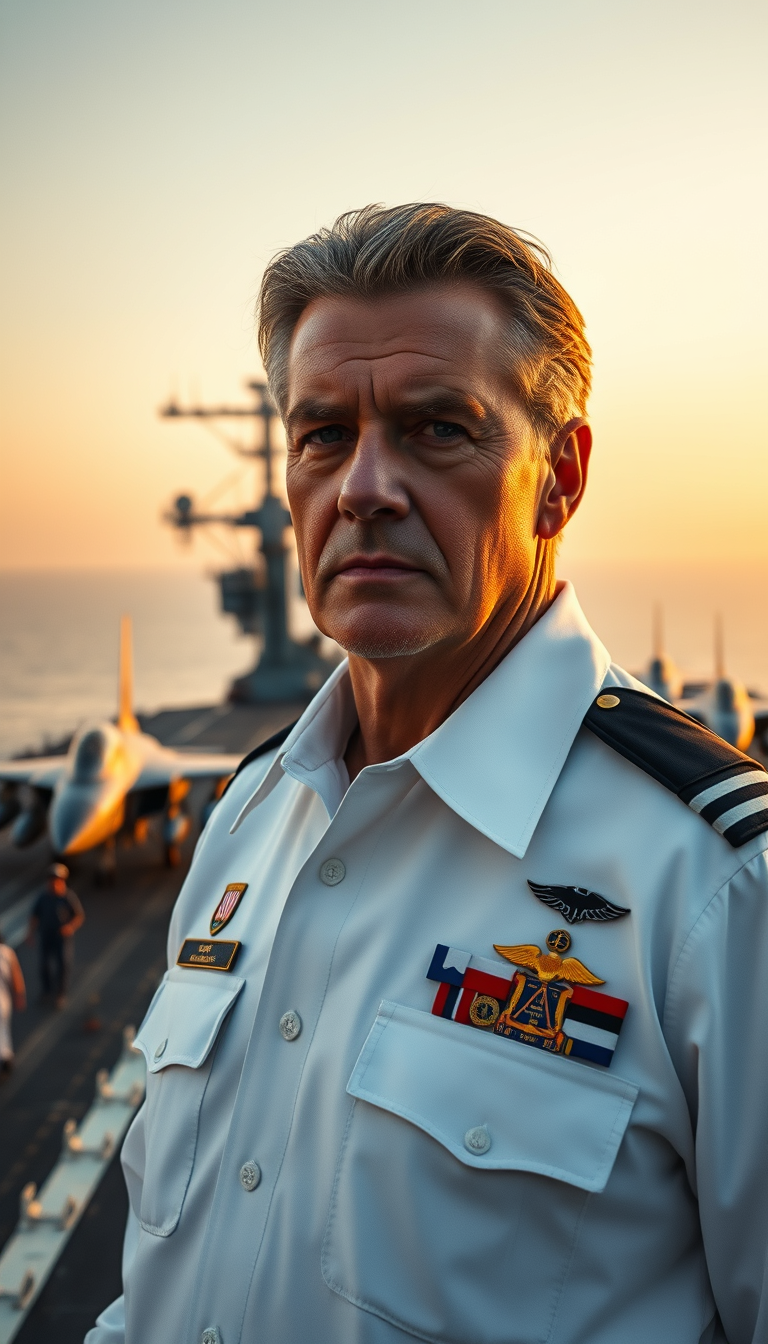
x: 56, y: 916
x: 463, y: 1030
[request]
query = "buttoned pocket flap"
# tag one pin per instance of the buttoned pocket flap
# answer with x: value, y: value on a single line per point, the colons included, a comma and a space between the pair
x: 184, y: 1018
x: 493, y: 1103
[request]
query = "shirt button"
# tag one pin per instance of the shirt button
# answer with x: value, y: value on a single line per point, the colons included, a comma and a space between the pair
x: 290, y: 1025
x: 477, y: 1140
x: 211, y: 1336
x: 332, y: 872
x: 250, y: 1175
x: 160, y: 1051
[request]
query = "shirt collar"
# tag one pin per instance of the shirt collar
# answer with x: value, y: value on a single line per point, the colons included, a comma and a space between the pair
x: 313, y: 750
x: 496, y: 759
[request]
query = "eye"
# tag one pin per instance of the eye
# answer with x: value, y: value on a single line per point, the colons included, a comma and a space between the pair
x: 445, y: 429
x: 328, y: 434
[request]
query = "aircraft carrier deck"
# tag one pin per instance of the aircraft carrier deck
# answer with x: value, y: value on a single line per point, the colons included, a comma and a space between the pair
x: 119, y: 959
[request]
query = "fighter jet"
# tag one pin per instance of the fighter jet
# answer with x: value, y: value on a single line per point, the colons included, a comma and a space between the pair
x: 723, y: 705
x: 111, y: 781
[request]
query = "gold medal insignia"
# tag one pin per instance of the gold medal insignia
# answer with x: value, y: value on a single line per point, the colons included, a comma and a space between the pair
x: 551, y: 1003
x: 536, y: 1005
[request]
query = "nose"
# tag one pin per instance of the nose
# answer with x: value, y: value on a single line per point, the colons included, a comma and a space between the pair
x: 374, y: 484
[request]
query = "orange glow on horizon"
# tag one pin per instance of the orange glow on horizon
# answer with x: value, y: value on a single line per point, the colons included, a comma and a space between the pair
x: 149, y: 178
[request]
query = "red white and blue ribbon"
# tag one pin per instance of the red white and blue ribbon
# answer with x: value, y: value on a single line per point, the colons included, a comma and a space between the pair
x: 591, y: 1023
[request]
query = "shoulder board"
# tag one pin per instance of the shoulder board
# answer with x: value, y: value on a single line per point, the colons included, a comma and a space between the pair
x: 726, y: 788
x: 271, y: 744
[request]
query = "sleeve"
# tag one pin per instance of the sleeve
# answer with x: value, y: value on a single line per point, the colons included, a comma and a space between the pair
x: 717, y: 1010
x: 17, y: 980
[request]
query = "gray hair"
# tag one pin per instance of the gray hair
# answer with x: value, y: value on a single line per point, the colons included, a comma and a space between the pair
x: 375, y: 251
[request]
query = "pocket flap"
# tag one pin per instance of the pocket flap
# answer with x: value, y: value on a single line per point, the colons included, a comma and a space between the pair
x: 184, y: 1017
x: 542, y: 1113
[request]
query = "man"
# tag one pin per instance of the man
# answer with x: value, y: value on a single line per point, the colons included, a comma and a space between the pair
x: 462, y: 1037
x: 56, y: 916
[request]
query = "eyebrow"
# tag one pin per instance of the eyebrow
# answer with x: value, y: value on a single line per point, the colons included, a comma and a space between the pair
x: 312, y: 410
x: 445, y: 403
x: 440, y: 404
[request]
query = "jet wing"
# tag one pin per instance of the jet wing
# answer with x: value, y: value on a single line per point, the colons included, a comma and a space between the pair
x: 206, y: 765
x: 42, y: 772
x: 185, y: 765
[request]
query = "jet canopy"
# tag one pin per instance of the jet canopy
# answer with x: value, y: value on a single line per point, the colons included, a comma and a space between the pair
x: 93, y: 751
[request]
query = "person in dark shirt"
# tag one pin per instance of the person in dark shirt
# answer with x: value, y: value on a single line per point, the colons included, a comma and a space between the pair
x: 56, y: 916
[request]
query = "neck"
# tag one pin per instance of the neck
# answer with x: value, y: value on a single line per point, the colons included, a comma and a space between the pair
x: 400, y: 701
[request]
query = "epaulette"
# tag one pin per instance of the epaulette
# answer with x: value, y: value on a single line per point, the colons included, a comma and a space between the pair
x: 726, y: 788
x: 271, y: 744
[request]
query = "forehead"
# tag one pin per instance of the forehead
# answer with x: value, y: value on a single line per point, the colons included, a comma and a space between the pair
x: 452, y: 334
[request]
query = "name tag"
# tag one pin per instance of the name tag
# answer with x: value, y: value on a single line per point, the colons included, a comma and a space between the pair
x: 200, y: 954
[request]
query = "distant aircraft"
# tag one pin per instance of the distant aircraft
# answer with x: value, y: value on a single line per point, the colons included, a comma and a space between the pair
x: 112, y: 779
x: 724, y: 705
x: 662, y: 676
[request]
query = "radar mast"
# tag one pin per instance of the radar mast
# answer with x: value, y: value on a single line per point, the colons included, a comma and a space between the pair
x: 287, y: 669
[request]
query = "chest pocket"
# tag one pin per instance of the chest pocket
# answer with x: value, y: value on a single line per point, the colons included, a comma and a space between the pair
x: 177, y: 1039
x: 464, y: 1172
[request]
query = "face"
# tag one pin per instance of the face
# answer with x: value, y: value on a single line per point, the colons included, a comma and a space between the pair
x: 414, y: 477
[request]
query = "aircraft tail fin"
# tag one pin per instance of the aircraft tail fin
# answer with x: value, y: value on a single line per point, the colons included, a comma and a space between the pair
x: 719, y: 648
x: 658, y: 630
x: 125, y: 716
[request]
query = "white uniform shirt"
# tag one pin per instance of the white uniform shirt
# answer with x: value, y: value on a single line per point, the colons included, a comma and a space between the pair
x: 617, y: 1205
x: 7, y: 959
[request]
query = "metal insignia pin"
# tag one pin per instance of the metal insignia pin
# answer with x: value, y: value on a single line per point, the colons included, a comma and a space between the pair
x: 233, y: 893
x: 577, y: 904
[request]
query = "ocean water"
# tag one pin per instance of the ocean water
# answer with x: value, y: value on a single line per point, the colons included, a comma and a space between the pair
x: 59, y: 648
x: 59, y: 634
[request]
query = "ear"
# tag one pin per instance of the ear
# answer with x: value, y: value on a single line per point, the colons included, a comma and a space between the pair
x: 566, y: 477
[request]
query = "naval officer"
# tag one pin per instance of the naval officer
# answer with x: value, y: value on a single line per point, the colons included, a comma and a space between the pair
x: 462, y: 1037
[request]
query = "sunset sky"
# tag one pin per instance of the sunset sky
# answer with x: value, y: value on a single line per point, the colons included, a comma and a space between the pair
x: 154, y: 156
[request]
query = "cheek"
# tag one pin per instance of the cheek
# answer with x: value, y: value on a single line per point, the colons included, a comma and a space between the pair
x: 501, y: 554
x: 313, y: 512
x: 519, y: 502
x: 489, y: 524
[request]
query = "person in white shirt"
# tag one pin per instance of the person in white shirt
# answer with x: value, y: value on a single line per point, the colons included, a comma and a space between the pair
x: 462, y: 1035
x: 13, y: 994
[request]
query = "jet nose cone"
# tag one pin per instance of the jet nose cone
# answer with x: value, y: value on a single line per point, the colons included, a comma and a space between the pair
x: 72, y: 816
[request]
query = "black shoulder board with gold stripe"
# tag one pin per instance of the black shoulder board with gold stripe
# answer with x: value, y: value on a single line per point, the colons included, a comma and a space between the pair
x: 727, y: 788
x: 271, y: 744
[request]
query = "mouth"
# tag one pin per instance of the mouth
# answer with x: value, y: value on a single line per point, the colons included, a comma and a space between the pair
x: 379, y: 567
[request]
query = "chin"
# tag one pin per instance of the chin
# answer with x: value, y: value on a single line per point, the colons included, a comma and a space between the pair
x: 384, y: 639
